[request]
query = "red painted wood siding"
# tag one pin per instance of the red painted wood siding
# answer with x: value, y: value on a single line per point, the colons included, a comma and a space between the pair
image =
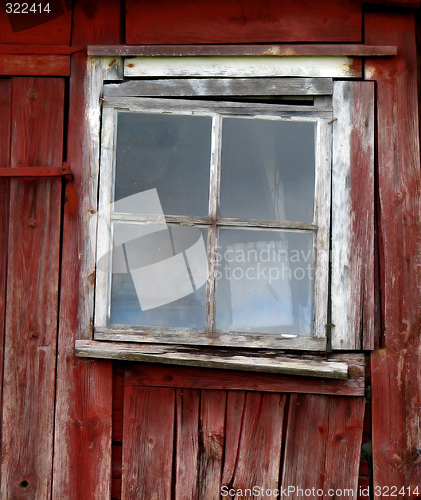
x: 247, y: 21
x: 30, y: 28
x: 36, y: 65
x: 82, y: 453
x: 396, y: 389
x: 187, y: 443
x: 5, y: 134
x: 32, y: 290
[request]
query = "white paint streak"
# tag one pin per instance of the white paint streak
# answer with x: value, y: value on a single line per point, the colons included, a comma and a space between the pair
x: 244, y: 66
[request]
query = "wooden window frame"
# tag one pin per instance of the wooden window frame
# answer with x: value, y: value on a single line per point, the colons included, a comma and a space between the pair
x: 320, y: 113
x: 113, y: 69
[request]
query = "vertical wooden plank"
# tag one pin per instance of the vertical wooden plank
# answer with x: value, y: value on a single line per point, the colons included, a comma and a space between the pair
x: 32, y: 291
x: 259, y: 453
x: 344, y: 439
x: 396, y: 389
x: 323, y: 445
x: 187, y: 444
x: 234, y: 421
x: 250, y: 21
x: 5, y: 136
x: 211, y: 443
x: 353, y: 216
x: 305, y: 447
x: 148, y: 443
x: 117, y: 431
x: 82, y: 450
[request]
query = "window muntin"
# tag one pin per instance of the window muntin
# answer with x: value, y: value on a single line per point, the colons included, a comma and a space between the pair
x: 304, y: 304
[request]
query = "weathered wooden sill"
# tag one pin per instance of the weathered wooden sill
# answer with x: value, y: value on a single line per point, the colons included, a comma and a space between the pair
x: 333, y: 367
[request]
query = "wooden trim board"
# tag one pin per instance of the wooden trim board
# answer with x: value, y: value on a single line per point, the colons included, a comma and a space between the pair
x: 354, y: 50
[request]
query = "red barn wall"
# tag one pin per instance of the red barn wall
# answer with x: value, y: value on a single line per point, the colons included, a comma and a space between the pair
x: 75, y: 428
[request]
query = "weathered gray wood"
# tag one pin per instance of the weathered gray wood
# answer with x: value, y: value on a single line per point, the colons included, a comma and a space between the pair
x: 352, y: 213
x: 321, y: 113
x: 243, y: 50
x: 270, y: 363
x: 321, y: 109
x: 99, y: 69
x: 223, y: 221
x: 245, y: 66
x: 220, y: 87
x: 104, y: 243
x: 322, y: 200
x: 214, y: 200
x: 267, y: 224
x: 189, y: 337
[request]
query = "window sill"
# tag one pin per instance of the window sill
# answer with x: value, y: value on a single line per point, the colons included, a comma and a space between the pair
x: 337, y: 366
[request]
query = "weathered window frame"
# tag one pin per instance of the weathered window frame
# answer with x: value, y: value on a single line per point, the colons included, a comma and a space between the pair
x: 345, y: 117
x: 320, y: 112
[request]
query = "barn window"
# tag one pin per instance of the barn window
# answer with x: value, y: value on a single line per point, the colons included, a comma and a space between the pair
x: 224, y: 210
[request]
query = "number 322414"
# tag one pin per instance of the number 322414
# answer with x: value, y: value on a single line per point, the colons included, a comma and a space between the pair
x: 393, y: 491
x: 26, y: 8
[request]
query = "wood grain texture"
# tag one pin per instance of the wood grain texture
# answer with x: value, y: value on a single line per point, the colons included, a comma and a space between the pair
x: 5, y: 135
x: 211, y: 443
x: 244, y: 66
x: 83, y: 426
x: 183, y: 377
x: 126, y: 343
x: 117, y: 430
x: 34, y: 65
x: 321, y: 108
x: 248, y: 21
x: 46, y: 28
x: 187, y: 444
x: 148, y: 443
x: 242, y: 50
x: 259, y: 451
x: 233, y: 426
x: 353, y: 216
x: 32, y: 291
x: 27, y: 49
x: 322, y: 215
x: 344, y: 439
x: 219, y: 87
x: 330, y: 427
x: 268, y: 362
x: 396, y: 391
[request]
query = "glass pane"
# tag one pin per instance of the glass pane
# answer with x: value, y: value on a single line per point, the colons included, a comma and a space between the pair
x: 169, y: 153
x: 268, y: 169
x: 264, y: 281
x: 159, y: 276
